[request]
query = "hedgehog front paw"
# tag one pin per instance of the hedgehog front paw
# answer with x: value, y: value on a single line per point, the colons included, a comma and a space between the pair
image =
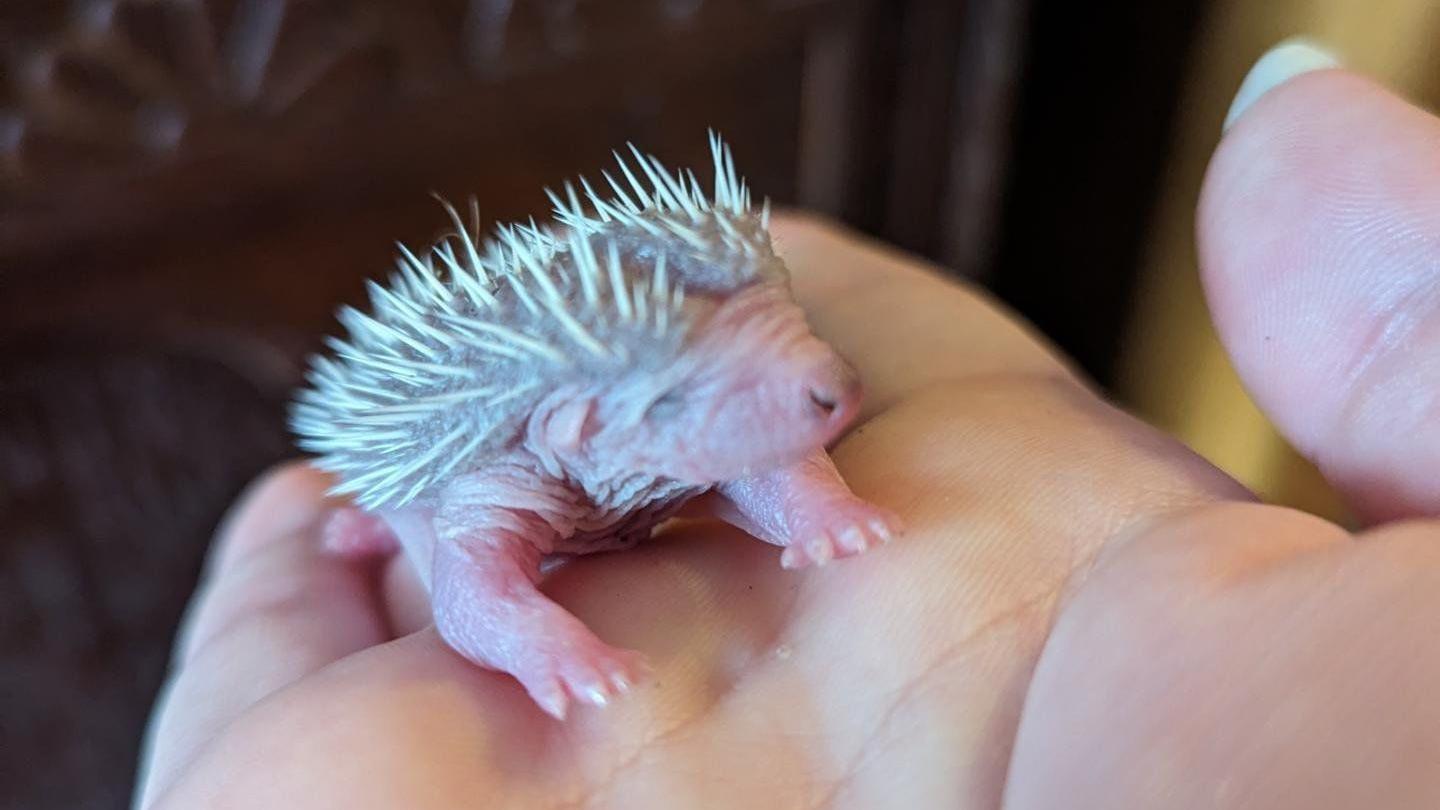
x: 839, y: 529
x: 579, y: 669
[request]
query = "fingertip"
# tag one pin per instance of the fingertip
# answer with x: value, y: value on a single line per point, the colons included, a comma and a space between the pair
x: 272, y: 609
x: 1291, y: 58
x: 283, y: 501
x: 553, y: 701
x: 1305, y: 222
x: 1319, y: 243
x: 291, y: 487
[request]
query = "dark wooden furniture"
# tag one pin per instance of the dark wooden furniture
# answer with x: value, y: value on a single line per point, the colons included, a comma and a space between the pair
x: 188, y: 188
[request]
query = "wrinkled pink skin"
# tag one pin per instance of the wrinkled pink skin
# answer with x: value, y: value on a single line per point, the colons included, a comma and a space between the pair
x: 748, y: 414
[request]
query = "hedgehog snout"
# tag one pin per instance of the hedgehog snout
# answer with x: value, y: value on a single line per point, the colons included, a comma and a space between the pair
x: 831, y: 392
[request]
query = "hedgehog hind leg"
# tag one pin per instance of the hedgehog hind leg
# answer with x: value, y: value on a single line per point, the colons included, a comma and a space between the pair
x: 353, y: 532
x: 487, y: 608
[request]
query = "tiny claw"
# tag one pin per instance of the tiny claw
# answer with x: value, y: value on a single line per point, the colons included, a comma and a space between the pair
x: 640, y: 671
x: 597, y: 696
x: 822, y: 551
x: 554, y: 703
x: 790, y: 558
x: 623, y: 678
x: 882, y: 529
x: 620, y: 683
x: 853, y: 539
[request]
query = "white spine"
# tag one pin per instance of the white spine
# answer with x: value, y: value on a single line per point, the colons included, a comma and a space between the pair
x: 388, y: 412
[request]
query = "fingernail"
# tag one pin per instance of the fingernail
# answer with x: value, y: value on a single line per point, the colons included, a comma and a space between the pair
x: 554, y: 706
x: 1280, y: 64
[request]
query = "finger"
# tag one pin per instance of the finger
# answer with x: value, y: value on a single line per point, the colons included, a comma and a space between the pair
x: 1241, y: 656
x: 1320, y: 247
x: 407, y: 603
x: 274, y: 608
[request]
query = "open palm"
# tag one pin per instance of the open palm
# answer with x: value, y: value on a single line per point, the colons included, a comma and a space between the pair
x: 1082, y: 613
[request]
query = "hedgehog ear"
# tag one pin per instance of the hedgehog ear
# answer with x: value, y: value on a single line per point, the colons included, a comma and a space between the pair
x: 573, y: 423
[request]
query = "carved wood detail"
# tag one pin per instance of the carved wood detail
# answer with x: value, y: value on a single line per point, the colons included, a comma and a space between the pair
x: 102, y: 84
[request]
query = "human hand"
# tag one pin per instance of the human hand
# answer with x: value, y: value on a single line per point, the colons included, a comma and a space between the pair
x: 1082, y: 614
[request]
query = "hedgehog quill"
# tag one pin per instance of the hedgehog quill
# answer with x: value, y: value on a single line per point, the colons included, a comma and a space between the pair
x: 561, y: 389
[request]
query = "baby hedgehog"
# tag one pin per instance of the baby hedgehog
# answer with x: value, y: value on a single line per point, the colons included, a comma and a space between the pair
x: 559, y: 390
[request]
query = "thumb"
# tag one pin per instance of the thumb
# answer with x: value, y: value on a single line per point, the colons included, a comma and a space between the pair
x: 1319, y: 230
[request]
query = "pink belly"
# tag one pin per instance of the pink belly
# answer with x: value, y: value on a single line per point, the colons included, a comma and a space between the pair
x: 626, y: 532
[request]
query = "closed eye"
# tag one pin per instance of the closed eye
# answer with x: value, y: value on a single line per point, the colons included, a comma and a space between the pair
x: 665, y: 406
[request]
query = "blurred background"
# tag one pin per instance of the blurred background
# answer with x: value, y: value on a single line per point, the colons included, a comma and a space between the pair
x: 188, y: 189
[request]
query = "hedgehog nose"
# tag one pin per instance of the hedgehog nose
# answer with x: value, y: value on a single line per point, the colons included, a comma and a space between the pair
x: 834, y: 392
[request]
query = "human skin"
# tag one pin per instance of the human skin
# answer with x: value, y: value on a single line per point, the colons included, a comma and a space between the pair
x: 1082, y: 612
